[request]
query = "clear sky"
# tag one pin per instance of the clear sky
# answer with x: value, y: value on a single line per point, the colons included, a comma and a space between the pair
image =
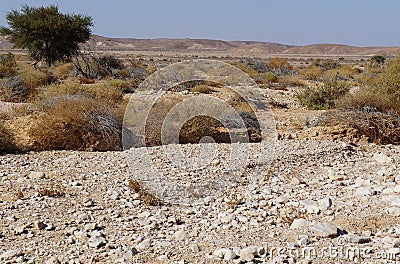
x: 297, y: 22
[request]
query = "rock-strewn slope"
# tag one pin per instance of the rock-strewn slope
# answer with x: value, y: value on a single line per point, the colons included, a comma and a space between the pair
x: 326, y: 199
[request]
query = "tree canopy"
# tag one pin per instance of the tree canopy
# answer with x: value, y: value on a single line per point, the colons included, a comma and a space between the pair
x: 47, y: 33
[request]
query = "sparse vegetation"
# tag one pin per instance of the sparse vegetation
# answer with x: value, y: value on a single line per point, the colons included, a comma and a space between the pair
x: 77, y: 122
x: 374, y: 110
x: 205, y: 89
x: 324, y: 95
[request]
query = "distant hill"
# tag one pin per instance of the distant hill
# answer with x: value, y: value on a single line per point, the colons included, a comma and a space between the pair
x: 232, y: 47
x: 338, y: 49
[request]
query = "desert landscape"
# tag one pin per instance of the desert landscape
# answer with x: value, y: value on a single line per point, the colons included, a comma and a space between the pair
x: 169, y: 150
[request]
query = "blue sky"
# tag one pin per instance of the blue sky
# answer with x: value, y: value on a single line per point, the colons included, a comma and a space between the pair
x: 297, y: 22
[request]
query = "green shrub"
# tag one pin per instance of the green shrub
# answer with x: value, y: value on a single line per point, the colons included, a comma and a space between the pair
x: 324, y: 95
x: 202, y: 89
x: 381, y: 93
x: 374, y: 109
x: 270, y: 77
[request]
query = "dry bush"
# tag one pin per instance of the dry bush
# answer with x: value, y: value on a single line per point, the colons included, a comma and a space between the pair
x: 33, y: 77
x: 78, y: 123
x: 377, y: 127
x: 7, y: 143
x: 374, y: 110
x: 245, y: 68
x: 151, y: 69
x: 63, y: 71
x: 93, y: 67
x: 14, y: 89
x: 156, y: 117
x: 292, y: 81
x: 201, y: 126
x: 343, y: 72
x: 205, y: 89
x: 326, y: 64
x: 311, y: 73
x: 136, y: 64
x: 381, y: 93
x: 366, y: 98
x: 278, y: 63
x: 52, y: 190
x: 8, y: 65
x: 146, y: 197
x: 104, y: 92
x: 85, y: 80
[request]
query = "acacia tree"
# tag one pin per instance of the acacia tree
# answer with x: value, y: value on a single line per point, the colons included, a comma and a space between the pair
x: 47, y: 33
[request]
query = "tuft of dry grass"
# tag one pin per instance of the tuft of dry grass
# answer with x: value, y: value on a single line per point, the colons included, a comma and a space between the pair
x: 79, y: 123
x: 52, y: 190
x: 311, y: 73
x: 205, y: 89
x: 343, y: 71
x: 33, y: 77
x: 146, y: 197
x: 104, y: 92
x: 292, y: 81
x: 63, y: 71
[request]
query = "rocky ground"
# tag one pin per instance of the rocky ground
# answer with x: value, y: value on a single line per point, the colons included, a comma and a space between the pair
x: 318, y: 202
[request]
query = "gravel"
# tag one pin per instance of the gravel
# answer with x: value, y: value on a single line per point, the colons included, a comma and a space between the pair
x: 77, y: 207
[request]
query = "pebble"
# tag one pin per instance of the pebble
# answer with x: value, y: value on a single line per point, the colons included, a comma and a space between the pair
x: 358, y: 239
x: 299, y: 223
x: 394, y: 211
x: 365, y: 191
x: 39, y: 225
x: 11, y: 253
x: 180, y: 235
x: 96, y: 240
x: 229, y: 255
x: 53, y: 260
x: 310, y: 206
x: 37, y: 175
x: 304, y: 241
x: 324, y: 229
x: 382, y: 158
x: 324, y: 203
x: 247, y: 254
x: 145, y: 244
x: 19, y: 229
